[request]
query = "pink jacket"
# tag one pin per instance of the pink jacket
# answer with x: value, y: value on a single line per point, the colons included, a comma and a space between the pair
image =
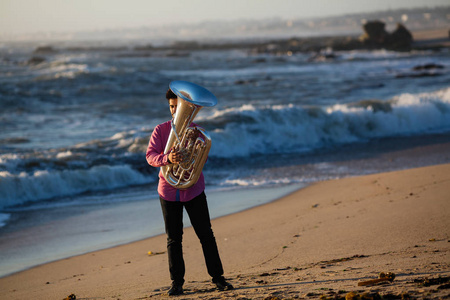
x: 156, y: 158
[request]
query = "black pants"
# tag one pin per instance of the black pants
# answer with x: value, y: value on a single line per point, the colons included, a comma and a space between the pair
x: 197, y: 210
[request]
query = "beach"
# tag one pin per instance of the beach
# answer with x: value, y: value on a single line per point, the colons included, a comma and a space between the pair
x: 319, y: 241
x: 341, y: 171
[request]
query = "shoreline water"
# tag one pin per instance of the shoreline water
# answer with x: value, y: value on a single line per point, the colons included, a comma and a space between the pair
x: 50, y: 234
x: 85, y: 117
x: 41, y: 234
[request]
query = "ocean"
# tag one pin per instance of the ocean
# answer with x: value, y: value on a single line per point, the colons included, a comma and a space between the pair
x: 76, y: 120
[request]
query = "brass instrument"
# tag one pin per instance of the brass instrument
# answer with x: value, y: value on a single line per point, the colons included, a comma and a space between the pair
x: 193, y: 143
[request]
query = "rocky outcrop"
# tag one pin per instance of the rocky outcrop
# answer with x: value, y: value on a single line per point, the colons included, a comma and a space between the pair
x: 374, y: 33
x: 44, y: 50
x: 376, y: 36
x: 400, y: 39
x: 35, y: 60
x: 427, y: 70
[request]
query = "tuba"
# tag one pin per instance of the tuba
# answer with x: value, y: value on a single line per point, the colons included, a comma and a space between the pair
x: 192, y: 142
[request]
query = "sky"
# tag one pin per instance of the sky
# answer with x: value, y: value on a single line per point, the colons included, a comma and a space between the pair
x: 28, y: 16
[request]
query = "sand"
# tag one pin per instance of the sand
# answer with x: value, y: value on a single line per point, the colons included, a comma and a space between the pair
x: 319, y: 241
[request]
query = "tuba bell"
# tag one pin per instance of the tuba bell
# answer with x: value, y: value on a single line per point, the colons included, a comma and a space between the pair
x: 192, y: 142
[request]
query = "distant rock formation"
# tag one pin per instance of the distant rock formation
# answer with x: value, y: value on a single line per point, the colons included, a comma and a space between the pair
x: 375, y: 35
x: 44, y: 50
x: 401, y: 38
x: 35, y: 60
x: 427, y: 70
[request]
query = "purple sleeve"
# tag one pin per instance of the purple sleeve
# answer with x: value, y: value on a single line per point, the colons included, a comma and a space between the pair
x: 155, y: 150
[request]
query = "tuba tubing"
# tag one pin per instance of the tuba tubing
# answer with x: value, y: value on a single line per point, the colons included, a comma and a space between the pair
x: 193, y: 142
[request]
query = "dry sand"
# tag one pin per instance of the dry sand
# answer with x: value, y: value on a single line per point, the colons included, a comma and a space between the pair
x: 317, y: 242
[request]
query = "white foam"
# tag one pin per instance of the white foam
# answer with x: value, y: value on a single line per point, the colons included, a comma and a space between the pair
x: 293, y: 129
x: 258, y: 182
x: 16, y: 189
x: 9, y: 161
x: 65, y: 154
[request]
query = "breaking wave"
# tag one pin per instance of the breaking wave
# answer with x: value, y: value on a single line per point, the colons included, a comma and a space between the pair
x: 237, y: 132
x: 292, y: 129
x: 43, y: 185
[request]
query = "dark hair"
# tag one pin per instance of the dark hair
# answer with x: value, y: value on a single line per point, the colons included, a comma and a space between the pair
x: 170, y: 95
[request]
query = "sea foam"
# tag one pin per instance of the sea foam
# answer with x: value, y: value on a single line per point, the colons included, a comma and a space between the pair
x: 290, y: 128
x: 16, y: 189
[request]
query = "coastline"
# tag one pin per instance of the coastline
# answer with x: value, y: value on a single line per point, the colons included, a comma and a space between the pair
x: 425, y: 39
x: 316, y: 241
x: 316, y: 259
x: 43, y: 235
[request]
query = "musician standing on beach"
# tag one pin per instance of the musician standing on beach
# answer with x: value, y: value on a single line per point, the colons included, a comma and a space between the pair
x: 173, y: 200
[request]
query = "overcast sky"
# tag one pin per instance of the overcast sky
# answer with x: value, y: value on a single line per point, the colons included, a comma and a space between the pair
x: 27, y: 16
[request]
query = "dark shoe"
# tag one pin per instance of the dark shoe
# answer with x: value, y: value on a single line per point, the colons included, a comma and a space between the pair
x: 222, y: 285
x: 176, y: 289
